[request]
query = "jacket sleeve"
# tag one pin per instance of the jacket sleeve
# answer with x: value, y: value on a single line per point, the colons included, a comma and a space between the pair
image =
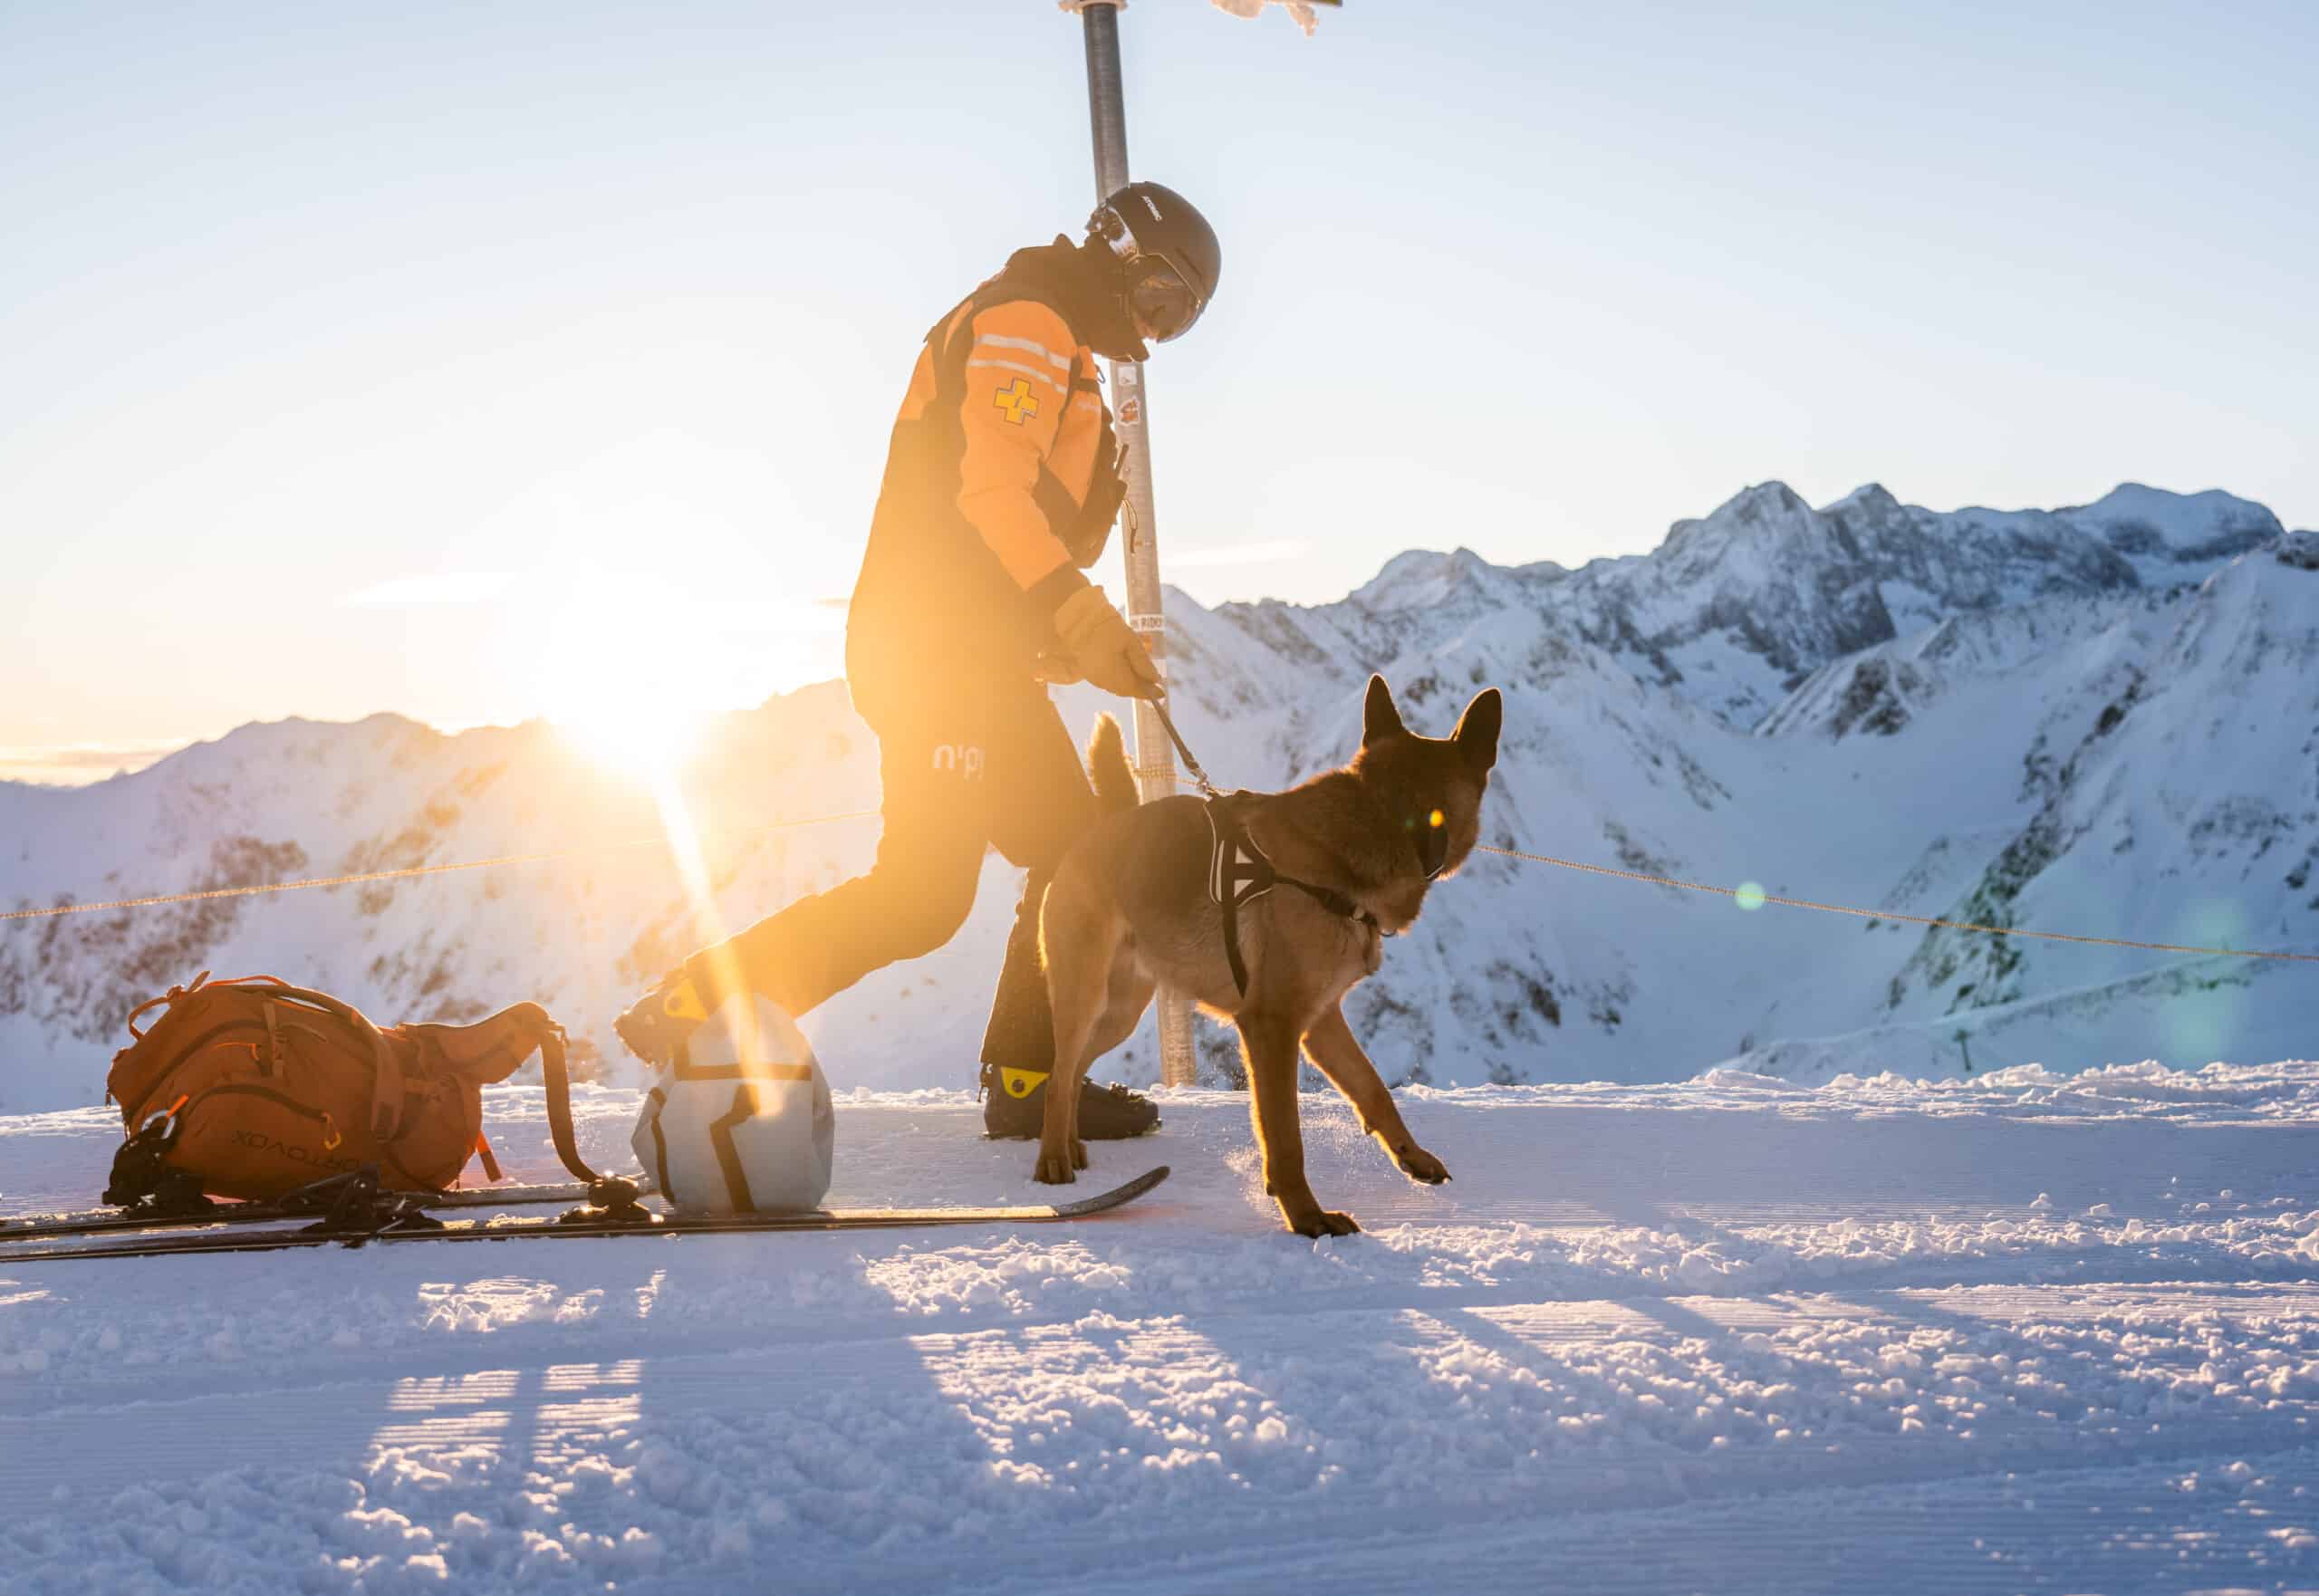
x: 1018, y: 379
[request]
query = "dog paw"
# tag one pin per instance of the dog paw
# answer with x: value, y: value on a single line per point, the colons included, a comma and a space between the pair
x: 1323, y: 1222
x: 1057, y: 1170
x: 1419, y: 1165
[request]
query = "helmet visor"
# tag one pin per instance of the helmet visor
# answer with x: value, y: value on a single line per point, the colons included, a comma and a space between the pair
x: 1164, y: 306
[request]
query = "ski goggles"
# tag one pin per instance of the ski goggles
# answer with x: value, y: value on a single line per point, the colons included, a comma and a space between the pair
x: 1160, y: 299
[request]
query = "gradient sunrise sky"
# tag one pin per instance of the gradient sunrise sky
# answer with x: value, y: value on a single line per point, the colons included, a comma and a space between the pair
x: 406, y: 358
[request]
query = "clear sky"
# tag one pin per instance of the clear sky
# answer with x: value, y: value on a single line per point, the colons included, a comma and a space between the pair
x: 448, y: 358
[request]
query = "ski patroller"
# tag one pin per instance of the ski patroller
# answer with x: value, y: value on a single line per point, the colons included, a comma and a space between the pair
x: 581, y: 1225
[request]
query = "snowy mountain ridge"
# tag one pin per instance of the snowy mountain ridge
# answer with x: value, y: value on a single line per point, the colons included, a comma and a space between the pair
x: 2102, y: 719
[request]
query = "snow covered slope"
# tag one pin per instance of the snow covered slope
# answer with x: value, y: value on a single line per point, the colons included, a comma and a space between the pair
x: 2031, y: 1333
x: 2102, y: 720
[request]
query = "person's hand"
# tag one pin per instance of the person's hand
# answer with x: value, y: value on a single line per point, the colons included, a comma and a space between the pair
x: 1104, y: 648
x: 1055, y: 669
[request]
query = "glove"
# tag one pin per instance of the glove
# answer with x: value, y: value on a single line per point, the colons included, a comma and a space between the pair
x: 1102, y: 645
x: 1056, y: 668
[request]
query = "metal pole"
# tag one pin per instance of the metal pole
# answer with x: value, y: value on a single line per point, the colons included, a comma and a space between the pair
x: 1155, y: 758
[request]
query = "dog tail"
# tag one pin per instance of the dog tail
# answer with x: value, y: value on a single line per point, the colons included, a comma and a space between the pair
x: 1108, y: 768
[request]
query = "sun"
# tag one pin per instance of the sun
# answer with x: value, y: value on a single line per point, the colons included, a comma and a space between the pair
x: 632, y: 667
x: 623, y: 678
x: 625, y: 724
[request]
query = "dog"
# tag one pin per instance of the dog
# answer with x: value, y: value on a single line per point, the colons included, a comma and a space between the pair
x: 1266, y: 909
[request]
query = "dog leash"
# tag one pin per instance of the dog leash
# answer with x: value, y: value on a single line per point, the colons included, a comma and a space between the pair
x: 1200, y: 776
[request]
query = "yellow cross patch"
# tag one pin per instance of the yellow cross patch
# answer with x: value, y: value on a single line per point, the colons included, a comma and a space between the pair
x: 1017, y: 402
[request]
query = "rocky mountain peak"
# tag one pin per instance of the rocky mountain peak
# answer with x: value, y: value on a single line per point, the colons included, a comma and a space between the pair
x: 1765, y: 501
x: 1419, y: 577
x: 1870, y: 503
x: 1736, y: 608
x: 1771, y: 508
x: 2159, y: 530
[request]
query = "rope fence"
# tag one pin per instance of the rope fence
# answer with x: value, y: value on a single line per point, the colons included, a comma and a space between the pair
x: 1887, y: 914
x: 411, y: 871
x: 403, y: 874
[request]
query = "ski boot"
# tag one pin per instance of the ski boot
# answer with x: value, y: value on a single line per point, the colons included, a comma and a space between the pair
x: 1015, y: 1104
x: 657, y: 1023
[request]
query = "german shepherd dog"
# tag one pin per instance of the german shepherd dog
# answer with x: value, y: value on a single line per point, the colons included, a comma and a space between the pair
x: 1349, y: 855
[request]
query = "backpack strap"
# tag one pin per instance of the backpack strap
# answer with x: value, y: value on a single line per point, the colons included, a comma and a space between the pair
x: 555, y: 1074
x: 389, y: 1084
x: 172, y: 998
x: 1085, y: 529
x: 491, y: 1050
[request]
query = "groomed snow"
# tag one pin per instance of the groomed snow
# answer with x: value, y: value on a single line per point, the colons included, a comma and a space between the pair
x: 2023, y: 1332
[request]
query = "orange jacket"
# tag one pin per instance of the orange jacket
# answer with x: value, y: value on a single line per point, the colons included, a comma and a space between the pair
x: 1031, y: 409
x: 1002, y: 483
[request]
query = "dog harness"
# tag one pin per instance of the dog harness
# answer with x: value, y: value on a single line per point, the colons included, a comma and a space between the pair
x: 1239, y: 873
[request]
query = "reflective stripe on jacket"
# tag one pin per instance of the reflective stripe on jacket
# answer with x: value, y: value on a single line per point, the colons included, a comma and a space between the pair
x: 1034, y: 427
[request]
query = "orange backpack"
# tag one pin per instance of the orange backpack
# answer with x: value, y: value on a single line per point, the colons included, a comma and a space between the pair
x: 252, y: 1088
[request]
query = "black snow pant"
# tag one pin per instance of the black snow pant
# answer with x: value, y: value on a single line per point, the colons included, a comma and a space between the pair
x: 1000, y: 772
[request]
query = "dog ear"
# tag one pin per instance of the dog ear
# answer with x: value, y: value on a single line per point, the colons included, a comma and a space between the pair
x: 1478, y: 728
x: 1379, y: 719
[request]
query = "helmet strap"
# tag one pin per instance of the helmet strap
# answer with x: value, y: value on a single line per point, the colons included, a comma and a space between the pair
x: 1111, y: 331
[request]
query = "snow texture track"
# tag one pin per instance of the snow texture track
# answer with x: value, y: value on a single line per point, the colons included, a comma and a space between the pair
x: 2029, y: 1334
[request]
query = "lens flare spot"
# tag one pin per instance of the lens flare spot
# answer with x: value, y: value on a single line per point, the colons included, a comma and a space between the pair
x: 2214, y: 922
x: 1434, y: 820
x: 1749, y: 895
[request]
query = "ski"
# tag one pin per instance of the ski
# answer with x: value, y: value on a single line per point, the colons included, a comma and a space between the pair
x: 581, y: 1227
x: 102, y: 1221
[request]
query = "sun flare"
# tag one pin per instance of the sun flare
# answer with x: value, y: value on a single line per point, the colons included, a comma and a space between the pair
x: 627, y: 725
x: 631, y: 667
x: 633, y: 698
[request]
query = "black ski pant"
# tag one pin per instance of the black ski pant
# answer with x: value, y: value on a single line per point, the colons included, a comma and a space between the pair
x: 999, y: 772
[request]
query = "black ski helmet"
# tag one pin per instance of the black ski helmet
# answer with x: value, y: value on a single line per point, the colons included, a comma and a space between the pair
x: 1169, y: 255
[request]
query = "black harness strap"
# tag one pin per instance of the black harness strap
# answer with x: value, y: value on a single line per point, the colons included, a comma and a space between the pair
x: 1085, y: 529
x: 1239, y: 873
